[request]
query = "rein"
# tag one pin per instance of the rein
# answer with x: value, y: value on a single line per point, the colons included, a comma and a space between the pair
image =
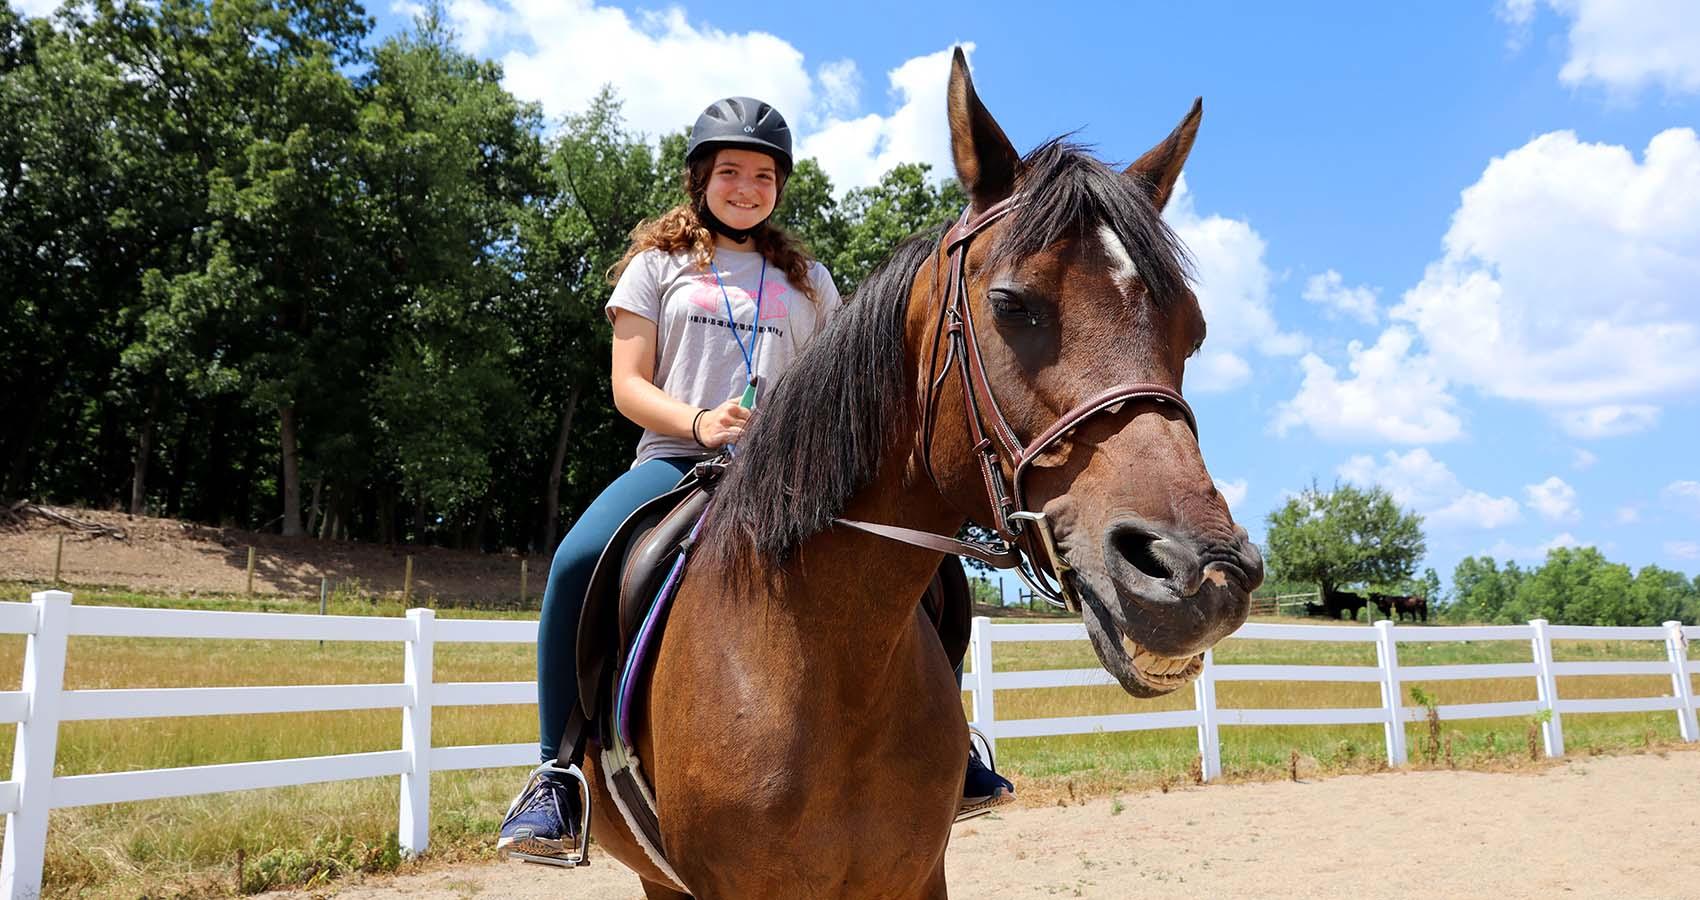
x: 1023, y: 538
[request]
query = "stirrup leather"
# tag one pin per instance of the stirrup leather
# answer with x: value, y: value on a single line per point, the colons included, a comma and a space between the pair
x: 579, y: 853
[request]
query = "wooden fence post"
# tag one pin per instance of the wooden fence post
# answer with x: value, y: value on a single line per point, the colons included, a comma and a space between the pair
x: 985, y: 711
x: 522, y: 585
x: 36, y: 746
x: 1546, y: 689
x: 1209, y: 727
x: 1676, y: 647
x: 1392, y: 696
x: 407, y: 582
x: 415, y: 825
x: 58, y: 559
x: 250, y: 571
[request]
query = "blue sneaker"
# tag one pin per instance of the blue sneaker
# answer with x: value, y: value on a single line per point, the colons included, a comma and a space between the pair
x: 549, y: 821
x: 982, y: 789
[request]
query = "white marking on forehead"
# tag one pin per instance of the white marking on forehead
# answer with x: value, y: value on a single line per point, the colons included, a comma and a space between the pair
x: 1126, y: 272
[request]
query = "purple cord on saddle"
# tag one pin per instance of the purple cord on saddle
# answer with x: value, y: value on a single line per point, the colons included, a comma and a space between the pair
x: 640, y: 648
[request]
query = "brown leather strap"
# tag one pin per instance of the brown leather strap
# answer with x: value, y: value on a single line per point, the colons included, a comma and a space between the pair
x: 1007, y: 558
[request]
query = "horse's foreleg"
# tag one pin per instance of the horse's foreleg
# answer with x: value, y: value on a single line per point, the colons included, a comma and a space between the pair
x: 935, y: 888
x: 653, y: 891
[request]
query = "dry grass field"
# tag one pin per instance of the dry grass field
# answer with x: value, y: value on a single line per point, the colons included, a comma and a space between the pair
x: 194, y: 846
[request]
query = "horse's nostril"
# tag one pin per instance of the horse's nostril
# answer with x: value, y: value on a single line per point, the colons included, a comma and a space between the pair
x: 1136, y: 546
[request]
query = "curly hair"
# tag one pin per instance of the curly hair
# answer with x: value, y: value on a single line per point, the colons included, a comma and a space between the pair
x: 681, y: 228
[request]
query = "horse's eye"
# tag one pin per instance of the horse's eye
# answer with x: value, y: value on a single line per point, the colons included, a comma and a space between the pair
x: 1011, y: 308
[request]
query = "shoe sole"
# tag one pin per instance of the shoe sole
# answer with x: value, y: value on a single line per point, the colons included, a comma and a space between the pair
x: 973, y: 808
x: 538, y: 850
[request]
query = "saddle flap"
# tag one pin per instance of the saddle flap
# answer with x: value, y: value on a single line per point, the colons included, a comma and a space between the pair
x: 599, y: 645
x: 949, y: 605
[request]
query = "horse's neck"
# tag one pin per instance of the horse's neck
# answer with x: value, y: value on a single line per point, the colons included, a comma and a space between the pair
x: 850, y: 593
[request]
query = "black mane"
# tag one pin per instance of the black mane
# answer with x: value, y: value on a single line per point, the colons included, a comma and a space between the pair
x: 822, y: 430
x: 1064, y: 191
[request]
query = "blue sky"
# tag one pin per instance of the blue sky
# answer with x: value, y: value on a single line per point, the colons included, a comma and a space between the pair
x: 1453, y: 249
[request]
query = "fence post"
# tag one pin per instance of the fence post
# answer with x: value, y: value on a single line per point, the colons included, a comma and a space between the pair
x: 1392, y: 693
x: 1209, y: 729
x: 36, y: 747
x: 415, y: 828
x: 1546, y: 689
x: 1676, y: 647
x: 985, y: 714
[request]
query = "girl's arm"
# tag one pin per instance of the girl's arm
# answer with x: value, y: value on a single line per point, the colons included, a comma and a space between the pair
x: 638, y: 399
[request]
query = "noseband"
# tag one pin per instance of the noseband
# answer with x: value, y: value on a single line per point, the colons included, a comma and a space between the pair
x: 1023, y: 541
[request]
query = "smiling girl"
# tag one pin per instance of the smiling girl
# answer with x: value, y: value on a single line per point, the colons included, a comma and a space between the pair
x: 708, y: 297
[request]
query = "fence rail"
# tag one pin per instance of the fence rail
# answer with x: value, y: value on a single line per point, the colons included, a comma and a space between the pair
x: 51, y: 619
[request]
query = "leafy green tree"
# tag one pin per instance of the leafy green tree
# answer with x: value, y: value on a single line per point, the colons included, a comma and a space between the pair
x: 1342, y: 537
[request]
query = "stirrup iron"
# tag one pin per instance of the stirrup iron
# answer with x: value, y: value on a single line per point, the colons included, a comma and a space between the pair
x: 579, y: 853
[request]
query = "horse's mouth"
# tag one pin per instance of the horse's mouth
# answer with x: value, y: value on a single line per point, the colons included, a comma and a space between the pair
x: 1161, y: 673
x: 1141, y: 671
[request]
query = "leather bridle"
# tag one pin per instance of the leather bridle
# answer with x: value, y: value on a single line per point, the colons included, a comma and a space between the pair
x: 1023, y: 540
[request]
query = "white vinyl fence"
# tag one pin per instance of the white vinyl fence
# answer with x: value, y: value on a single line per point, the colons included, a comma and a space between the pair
x: 1208, y: 718
x: 51, y: 619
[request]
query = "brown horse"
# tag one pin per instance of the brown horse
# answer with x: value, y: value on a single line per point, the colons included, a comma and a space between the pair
x: 802, y: 731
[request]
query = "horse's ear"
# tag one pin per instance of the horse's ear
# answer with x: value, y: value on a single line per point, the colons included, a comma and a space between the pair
x: 986, y: 161
x: 1160, y: 167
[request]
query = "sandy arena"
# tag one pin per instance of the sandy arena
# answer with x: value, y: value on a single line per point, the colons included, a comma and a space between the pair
x: 1617, y: 827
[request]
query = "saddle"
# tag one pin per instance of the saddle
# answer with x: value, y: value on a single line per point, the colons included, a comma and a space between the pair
x: 625, y: 611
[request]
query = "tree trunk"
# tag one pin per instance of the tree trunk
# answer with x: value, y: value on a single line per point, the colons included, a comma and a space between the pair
x: 144, y: 449
x: 291, y: 472
x: 552, y: 496
x: 314, y: 526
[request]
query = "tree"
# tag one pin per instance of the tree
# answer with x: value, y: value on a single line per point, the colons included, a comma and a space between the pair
x: 1342, y: 537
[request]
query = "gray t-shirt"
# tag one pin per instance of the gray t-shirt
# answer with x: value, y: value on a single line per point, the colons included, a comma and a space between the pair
x: 697, y: 359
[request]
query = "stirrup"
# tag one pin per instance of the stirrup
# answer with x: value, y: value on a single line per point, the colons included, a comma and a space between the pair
x: 579, y: 853
x: 979, y: 745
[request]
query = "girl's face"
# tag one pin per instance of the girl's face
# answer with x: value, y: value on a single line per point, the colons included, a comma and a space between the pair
x: 743, y: 185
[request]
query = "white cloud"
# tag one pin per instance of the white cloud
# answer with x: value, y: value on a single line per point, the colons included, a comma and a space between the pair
x: 1419, y: 481
x: 665, y: 67
x: 841, y: 85
x: 1622, y: 47
x: 1607, y: 420
x: 1628, y: 46
x: 1558, y: 252
x: 1508, y: 550
x: 1553, y: 499
x: 1329, y: 291
x: 857, y: 151
x: 1683, y: 549
x: 1684, y: 494
x: 1583, y: 460
x: 1628, y: 515
x: 1232, y: 283
x: 1390, y: 395
x: 1233, y: 491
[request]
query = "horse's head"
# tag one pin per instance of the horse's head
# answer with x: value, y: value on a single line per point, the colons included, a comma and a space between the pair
x: 1078, y: 303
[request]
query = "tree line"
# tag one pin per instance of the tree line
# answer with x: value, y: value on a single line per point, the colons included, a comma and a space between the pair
x: 259, y: 267
x: 1350, y: 537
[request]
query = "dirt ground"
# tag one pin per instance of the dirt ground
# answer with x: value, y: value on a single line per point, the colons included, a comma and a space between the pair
x: 168, y: 556
x: 1621, y: 827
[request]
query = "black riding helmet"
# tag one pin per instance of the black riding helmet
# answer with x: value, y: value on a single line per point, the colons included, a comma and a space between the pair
x: 745, y: 123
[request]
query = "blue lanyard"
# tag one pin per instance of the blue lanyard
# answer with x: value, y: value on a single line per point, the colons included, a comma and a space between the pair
x: 755, y: 325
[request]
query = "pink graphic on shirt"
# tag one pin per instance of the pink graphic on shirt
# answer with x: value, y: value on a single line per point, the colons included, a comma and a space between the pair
x: 706, y: 295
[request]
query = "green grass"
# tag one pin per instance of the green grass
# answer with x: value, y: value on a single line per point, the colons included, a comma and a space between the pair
x: 305, y: 835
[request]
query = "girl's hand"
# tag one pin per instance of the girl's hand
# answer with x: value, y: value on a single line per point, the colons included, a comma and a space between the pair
x: 723, y: 424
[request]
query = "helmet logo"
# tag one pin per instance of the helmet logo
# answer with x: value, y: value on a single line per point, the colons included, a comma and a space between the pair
x: 749, y: 130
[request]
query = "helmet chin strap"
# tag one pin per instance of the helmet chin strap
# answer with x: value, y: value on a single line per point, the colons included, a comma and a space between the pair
x: 714, y: 224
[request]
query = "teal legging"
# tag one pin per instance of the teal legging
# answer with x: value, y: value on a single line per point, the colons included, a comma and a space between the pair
x: 569, y: 575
